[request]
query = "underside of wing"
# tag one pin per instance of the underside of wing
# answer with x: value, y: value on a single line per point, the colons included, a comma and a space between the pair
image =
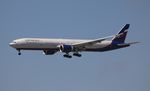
x: 49, y: 52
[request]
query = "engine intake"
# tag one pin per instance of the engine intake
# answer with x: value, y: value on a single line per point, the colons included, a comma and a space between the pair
x: 66, y: 48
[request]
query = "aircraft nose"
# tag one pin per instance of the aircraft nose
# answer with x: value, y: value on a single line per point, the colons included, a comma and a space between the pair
x: 12, y: 44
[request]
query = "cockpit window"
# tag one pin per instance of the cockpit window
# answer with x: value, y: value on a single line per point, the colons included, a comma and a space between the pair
x: 14, y: 42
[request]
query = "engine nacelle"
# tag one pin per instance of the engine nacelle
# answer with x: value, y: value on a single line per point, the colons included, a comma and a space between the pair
x: 48, y: 52
x: 66, y: 48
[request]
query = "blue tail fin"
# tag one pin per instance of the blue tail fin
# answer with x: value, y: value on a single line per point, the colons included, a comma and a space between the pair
x: 121, y: 36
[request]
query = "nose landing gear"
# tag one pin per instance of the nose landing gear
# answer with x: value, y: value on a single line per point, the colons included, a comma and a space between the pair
x: 19, y: 53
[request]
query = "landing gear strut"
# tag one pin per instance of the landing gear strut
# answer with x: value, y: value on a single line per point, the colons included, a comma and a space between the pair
x: 19, y: 53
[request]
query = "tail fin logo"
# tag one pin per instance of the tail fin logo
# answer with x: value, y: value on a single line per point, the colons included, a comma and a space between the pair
x: 121, y: 36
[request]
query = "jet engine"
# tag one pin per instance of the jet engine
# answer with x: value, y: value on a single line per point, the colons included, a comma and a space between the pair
x: 48, y: 52
x: 66, y: 48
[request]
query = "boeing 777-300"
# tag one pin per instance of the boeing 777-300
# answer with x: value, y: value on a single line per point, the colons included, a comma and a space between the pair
x: 51, y: 46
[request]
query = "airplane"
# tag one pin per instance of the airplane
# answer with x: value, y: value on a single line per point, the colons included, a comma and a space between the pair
x: 51, y: 46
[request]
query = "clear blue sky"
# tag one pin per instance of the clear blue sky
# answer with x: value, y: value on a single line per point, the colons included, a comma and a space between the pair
x: 120, y: 70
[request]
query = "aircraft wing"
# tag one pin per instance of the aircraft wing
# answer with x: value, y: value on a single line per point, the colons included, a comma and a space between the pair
x: 82, y: 45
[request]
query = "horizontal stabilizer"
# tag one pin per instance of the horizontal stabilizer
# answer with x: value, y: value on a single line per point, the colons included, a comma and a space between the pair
x: 128, y: 43
x: 133, y: 43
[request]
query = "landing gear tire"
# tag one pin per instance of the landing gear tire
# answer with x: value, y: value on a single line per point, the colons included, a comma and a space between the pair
x: 19, y: 53
x: 67, y: 56
x: 77, y: 54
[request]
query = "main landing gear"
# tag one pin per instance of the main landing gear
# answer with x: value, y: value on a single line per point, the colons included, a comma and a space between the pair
x: 77, y: 54
x: 67, y: 55
x: 74, y: 54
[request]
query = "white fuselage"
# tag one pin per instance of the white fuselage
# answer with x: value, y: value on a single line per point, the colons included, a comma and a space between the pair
x: 51, y: 46
x: 43, y: 43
